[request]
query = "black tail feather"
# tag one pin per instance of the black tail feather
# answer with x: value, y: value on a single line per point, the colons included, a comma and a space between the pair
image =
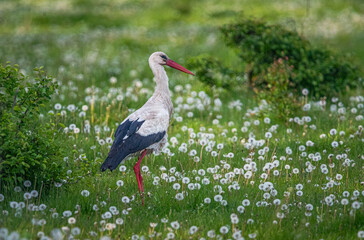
x: 112, y: 162
x: 130, y: 145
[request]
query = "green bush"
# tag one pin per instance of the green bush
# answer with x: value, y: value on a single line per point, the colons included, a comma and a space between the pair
x: 320, y: 70
x: 210, y: 71
x: 277, y: 91
x: 28, y: 147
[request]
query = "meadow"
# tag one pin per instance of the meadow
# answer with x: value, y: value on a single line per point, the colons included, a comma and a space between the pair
x: 231, y: 170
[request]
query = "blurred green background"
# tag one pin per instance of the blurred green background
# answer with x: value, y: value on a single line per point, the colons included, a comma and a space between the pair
x: 88, y: 34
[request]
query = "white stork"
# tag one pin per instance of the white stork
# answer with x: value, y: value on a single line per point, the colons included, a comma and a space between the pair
x: 145, y: 130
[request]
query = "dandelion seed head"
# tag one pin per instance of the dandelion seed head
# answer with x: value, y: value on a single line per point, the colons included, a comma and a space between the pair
x: 27, y: 183
x: 85, y: 193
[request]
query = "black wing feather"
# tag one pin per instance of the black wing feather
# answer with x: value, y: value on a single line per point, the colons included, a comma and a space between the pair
x: 127, y: 128
x: 127, y: 142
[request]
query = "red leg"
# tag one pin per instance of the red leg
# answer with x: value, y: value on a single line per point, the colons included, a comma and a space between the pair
x: 141, y: 181
x: 138, y: 174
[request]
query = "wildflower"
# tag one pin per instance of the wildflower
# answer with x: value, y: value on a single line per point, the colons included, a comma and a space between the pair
x: 277, y: 202
x: 119, y: 221
x: 196, y: 159
x: 106, y: 215
x: 305, y: 91
x: 75, y: 231
x: 355, y: 205
x: 211, y: 234
x: 122, y: 168
x: 125, y: 199
x: 185, y: 180
x: 193, y: 152
x: 266, y: 195
x: 34, y: 193
x: 193, y: 230
x: 344, y: 201
x: 113, y: 80
x: 251, y: 235
x: 179, y: 196
x: 224, y: 230
x: 145, y: 169
x: 67, y: 213
x: 120, y: 183
x: 57, y: 106
x: 27, y: 195
x: 299, y: 193
x: 220, y: 146
x: 95, y: 207
x: 306, y: 107
x: 42, y: 222
x: 153, y: 225
x: 334, y: 144
x: 218, y: 198
x: 201, y: 172
x: 42, y: 207
x: 339, y: 177
x: 328, y: 200
x: 175, y: 225
x: 241, y: 209
x: 85, y: 193
x: 170, y: 235
x: 267, y: 120
x: 71, y: 220
x: 110, y: 226
x: 109, y: 140
x: 230, y: 155
x: 14, y: 204
x: 268, y: 135
x: 333, y: 131
x: 309, y: 207
x: 191, y: 186
x: 203, y: 142
x: 246, y: 202
x: 288, y: 150
x: 207, y: 200
x: 27, y: 183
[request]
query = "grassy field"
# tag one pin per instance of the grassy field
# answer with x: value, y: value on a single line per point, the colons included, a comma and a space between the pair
x: 229, y: 172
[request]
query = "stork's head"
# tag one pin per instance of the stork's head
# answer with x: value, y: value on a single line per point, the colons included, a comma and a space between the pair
x: 161, y: 58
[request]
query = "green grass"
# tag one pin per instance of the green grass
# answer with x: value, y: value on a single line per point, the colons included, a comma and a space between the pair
x: 84, y: 43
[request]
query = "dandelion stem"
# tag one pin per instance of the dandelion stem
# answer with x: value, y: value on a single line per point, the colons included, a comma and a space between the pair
x: 40, y: 192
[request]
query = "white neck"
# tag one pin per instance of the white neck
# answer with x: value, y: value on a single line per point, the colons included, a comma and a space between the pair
x: 161, y: 78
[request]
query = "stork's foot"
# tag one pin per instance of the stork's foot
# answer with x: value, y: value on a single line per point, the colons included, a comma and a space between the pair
x: 142, y: 197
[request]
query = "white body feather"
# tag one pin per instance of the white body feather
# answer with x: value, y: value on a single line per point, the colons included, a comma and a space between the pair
x: 156, y: 112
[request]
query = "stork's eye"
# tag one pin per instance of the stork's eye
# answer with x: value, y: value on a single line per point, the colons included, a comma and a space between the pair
x: 164, y: 57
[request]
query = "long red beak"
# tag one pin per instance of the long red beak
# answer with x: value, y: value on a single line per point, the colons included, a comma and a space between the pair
x: 175, y: 65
